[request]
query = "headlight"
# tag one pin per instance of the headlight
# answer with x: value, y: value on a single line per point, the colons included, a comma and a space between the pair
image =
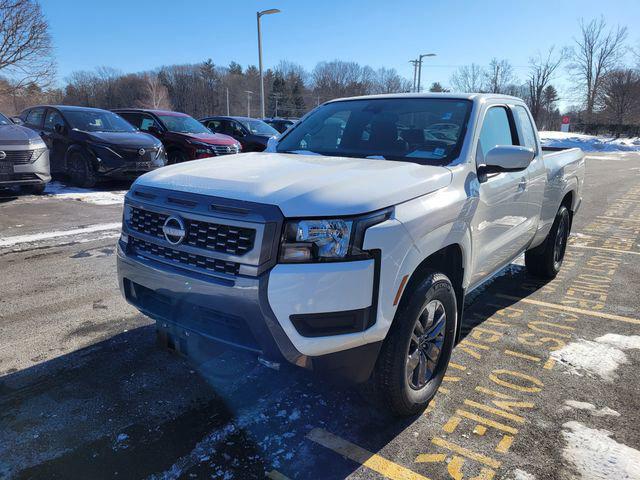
x: 334, y: 239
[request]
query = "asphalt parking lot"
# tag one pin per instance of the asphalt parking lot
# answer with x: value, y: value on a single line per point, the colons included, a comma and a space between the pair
x: 544, y: 385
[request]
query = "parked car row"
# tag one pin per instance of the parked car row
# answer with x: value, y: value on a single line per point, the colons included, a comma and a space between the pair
x: 87, y: 145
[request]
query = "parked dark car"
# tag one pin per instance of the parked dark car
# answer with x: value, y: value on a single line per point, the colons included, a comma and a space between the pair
x: 183, y: 137
x: 252, y: 133
x: 89, y: 144
x: 280, y: 124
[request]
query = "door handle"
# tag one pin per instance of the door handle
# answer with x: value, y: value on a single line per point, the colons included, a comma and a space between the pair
x: 522, y: 184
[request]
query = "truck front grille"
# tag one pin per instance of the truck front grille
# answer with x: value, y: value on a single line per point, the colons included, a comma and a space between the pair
x: 209, y: 236
x: 159, y: 252
x: 21, y: 157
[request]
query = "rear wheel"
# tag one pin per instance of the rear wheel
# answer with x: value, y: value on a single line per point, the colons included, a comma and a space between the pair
x: 81, y: 171
x: 416, y: 352
x: 176, y: 156
x: 546, y: 259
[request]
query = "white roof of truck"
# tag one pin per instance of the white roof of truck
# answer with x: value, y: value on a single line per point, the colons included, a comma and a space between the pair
x: 455, y: 96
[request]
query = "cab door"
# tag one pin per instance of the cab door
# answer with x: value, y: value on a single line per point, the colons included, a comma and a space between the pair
x: 501, y: 225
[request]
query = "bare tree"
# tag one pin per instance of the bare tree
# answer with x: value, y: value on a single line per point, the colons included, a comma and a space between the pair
x: 597, y: 51
x: 26, y: 56
x: 499, y: 76
x: 621, y: 94
x: 157, y: 95
x: 541, y: 70
x: 468, y: 78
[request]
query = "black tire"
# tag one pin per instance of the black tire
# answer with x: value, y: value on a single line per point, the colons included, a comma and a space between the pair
x: 176, y: 156
x: 81, y: 172
x: 37, y: 189
x: 395, y: 383
x: 545, y: 260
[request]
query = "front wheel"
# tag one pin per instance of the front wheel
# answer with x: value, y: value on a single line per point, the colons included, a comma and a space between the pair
x: 546, y: 259
x: 81, y: 171
x: 416, y: 352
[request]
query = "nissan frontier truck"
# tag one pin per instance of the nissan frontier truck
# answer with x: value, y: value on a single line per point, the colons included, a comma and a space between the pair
x: 349, y: 245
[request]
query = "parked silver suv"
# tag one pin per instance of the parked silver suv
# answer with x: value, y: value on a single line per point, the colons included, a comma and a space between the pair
x: 24, y: 158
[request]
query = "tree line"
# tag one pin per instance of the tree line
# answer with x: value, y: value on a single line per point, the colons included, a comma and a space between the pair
x: 605, y: 89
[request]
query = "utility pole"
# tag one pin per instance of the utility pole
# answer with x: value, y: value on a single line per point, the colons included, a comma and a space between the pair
x: 258, y: 15
x: 415, y: 72
x: 228, y: 102
x: 249, y: 93
x: 420, y: 68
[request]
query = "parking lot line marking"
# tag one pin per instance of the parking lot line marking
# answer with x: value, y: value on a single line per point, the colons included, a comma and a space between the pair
x: 590, y: 313
x: 373, y: 461
x: 619, y: 219
x: 495, y: 411
x: 478, y: 457
x: 505, y: 444
x: 616, y: 250
x: 486, y: 421
x: 457, y: 366
x: 276, y: 475
x: 548, y: 365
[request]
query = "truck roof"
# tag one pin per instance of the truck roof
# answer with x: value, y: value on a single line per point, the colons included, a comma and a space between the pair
x: 454, y: 96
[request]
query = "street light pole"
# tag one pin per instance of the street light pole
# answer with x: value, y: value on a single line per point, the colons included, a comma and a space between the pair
x: 415, y: 72
x: 258, y: 16
x: 420, y: 68
x: 249, y: 93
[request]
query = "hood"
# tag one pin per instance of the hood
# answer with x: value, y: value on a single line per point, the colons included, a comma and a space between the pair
x: 210, y: 138
x: 124, y: 139
x: 303, y: 185
x: 18, y: 135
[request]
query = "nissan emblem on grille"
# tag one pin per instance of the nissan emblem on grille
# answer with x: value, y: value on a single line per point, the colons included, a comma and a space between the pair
x: 141, y: 152
x: 3, y: 155
x: 174, y: 230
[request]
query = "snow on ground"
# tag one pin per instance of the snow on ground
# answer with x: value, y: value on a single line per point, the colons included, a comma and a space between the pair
x: 600, y: 357
x: 589, y: 143
x: 97, y: 197
x: 518, y: 474
x: 596, y: 456
x: 39, y: 237
x: 591, y: 408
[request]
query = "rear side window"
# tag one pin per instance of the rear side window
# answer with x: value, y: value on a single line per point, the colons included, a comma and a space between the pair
x: 496, y: 130
x: 132, y: 118
x: 53, y: 118
x: 34, y: 117
x: 527, y: 133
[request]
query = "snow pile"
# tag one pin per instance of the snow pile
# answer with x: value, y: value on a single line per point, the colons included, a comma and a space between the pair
x: 97, y: 197
x: 600, y: 357
x: 589, y: 143
x: 596, y: 456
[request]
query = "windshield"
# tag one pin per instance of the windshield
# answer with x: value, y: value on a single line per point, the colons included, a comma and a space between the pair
x: 422, y: 130
x: 97, y: 121
x: 183, y: 124
x: 4, y: 120
x: 258, y: 127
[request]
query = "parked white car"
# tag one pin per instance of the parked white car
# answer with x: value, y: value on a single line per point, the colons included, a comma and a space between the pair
x: 350, y: 246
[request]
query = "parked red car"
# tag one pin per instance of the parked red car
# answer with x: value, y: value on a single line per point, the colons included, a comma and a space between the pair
x: 183, y: 137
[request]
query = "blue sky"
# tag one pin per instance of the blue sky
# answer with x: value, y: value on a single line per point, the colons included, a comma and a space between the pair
x: 138, y: 35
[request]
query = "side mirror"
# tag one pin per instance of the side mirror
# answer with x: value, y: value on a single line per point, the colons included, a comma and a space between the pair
x: 60, y: 129
x: 506, y: 158
x: 17, y: 120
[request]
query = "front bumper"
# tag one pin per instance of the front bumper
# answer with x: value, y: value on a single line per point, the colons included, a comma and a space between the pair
x: 34, y: 173
x: 255, y: 313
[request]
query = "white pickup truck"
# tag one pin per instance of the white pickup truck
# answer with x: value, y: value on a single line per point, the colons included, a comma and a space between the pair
x: 349, y: 246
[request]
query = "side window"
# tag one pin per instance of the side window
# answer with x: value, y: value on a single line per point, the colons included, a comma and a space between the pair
x: 496, y: 130
x: 132, y: 118
x: 527, y: 133
x: 34, y: 118
x: 236, y: 129
x: 52, y: 119
x: 146, y: 122
x: 214, y: 125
